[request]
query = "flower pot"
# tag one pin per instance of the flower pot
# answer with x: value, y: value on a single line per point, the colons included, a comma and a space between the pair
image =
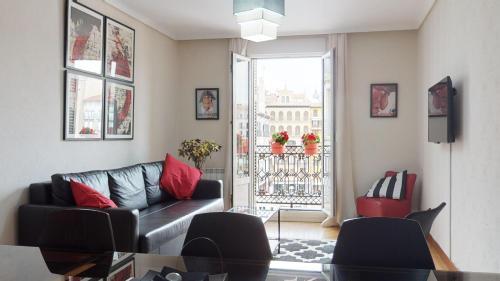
x: 277, y: 148
x: 311, y: 149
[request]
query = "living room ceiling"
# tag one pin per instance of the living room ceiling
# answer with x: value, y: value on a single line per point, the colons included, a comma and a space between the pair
x: 208, y: 19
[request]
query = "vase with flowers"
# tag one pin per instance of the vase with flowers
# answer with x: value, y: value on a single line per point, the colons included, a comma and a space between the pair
x: 278, y: 142
x: 198, y: 151
x: 310, y: 142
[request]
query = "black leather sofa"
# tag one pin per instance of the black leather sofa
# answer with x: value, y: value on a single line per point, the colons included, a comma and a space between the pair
x: 148, y: 219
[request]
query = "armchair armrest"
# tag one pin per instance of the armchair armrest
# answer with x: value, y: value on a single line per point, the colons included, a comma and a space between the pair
x: 33, y: 218
x: 208, y: 189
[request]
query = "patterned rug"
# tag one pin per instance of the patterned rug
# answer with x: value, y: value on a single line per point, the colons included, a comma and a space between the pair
x: 309, y: 251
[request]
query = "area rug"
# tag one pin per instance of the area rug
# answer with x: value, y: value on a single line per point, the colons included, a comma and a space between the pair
x: 309, y: 251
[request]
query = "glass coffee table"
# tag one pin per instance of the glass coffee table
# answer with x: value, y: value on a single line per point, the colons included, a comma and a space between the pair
x: 265, y: 214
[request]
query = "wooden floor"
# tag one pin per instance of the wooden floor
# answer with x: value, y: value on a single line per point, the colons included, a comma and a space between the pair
x: 299, y: 230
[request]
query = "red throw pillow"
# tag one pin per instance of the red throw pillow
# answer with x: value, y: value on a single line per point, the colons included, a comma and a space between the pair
x: 86, y: 196
x: 178, y: 178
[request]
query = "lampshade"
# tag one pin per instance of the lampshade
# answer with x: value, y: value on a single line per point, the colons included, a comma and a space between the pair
x: 259, y: 19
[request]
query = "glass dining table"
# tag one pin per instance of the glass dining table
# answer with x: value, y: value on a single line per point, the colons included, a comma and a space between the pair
x: 31, y: 263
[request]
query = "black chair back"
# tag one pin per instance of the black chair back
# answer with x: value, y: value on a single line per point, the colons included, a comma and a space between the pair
x: 83, y: 230
x: 382, y: 242
x: 227, y: 235
x: 426, y: 218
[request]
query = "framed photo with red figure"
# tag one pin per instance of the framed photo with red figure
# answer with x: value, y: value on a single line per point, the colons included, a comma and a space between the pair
x: 384, y: 100
x: 120, y: 51
x: 84, y: 42
x: 119, y: 111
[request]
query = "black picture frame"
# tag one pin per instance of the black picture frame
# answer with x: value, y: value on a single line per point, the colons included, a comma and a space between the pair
x: 68, y: 64
x: 107, y: 49
x: 115, y: 137
x: 69, y: 130
x: 214, y: 94
x: 391, y: 89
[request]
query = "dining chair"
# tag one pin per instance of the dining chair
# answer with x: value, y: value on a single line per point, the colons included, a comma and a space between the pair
x: 426, y: 218
x: 84, y: 230
x: 228, y: 236
x: 382, y: 242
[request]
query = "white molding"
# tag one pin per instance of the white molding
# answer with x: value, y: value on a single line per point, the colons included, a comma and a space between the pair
x: 142, y: 18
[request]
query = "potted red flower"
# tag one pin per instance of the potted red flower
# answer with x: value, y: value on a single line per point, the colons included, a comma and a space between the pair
x: 278, y: 142
x: 310, y: 142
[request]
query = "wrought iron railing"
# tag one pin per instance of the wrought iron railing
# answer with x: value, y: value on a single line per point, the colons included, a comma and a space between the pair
x: 291, y: 179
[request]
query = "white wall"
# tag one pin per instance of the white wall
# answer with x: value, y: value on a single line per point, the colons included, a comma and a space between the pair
x: 31, y: 102
x: 205, y: 64
x: 381, y: 144
x: 461, y: 38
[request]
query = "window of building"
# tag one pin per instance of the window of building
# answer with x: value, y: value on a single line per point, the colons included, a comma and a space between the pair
x: 297, y: 116
x: 273, y: 129
x: 306, y: 129
x: 297, y: 131
x: 289, y: 116
x: 280, y: 128
x: 306, y: 115
x: 280, y: 116
x: 273, y: 115
x: 315, y: 113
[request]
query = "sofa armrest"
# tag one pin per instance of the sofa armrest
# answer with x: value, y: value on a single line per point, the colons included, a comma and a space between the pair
x: 33, y: 218
x: 208, y: 189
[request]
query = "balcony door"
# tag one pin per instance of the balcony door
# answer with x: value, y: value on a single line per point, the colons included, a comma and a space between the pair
x: 329, y: 136
x: 241, y: 132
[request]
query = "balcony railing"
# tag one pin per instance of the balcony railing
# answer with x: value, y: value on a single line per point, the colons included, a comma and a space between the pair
x: 291, y: 179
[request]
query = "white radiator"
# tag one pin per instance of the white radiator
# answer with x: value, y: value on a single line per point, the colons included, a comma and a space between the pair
x: 213, y: 174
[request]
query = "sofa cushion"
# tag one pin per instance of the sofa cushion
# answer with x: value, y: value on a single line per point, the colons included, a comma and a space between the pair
x: 127, y: 187
x: 86, y: 196
x: 61, y: 190
x: 169, y: 221
x: 178, y: 178
x: 152, y: 173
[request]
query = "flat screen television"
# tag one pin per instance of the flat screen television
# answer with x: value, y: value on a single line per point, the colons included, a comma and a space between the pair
x: 440, y: 112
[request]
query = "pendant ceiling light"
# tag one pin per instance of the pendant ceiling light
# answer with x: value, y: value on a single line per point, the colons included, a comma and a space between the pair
x: 259, y: 19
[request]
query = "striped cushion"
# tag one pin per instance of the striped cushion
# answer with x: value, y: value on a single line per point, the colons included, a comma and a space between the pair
x: 389, y: 187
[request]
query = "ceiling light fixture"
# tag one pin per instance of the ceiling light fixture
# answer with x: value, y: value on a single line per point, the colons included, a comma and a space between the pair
x: 259, y: 19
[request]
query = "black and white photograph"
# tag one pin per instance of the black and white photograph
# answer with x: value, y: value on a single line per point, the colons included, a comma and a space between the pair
x: 207, y: 104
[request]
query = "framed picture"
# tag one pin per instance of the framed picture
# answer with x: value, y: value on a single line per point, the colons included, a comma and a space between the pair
x: 124, y: 273
x: 84, y: 42
x: 119, y: 111
x: 83, y: 103
x: 120, y: 48
x: 207, y: 103
x: 384, y: 100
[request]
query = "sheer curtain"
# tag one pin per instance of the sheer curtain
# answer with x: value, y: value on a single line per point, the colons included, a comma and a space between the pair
x: 237, y: 46
x: 344, y: 206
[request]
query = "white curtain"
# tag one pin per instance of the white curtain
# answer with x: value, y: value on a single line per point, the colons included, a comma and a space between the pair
x: 237, y: 46
x: 344, y: 206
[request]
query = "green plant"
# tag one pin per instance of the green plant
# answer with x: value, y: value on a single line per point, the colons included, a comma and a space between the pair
x: 310, y: 138
x: 198, y: 150
x: 281, y: 137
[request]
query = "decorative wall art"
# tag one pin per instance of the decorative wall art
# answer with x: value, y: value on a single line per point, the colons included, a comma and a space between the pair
x: 384, y: 100
x: 83, y: 107
x: 84, y: 39
x: 120, y: 48
x: 207, y: 104
x: 119, y: 111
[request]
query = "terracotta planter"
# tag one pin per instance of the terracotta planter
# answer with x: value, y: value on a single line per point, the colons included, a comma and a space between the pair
x: 277, y: 148
x: 311, y: 149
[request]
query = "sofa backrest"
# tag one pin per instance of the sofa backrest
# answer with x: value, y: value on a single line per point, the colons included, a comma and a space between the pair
x: 135, y: 187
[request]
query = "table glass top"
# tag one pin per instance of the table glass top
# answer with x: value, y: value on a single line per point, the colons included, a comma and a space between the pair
x: 29, y: 263
x: 264, y: 213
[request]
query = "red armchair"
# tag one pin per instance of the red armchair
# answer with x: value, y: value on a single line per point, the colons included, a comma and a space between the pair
x: 383, y: 207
